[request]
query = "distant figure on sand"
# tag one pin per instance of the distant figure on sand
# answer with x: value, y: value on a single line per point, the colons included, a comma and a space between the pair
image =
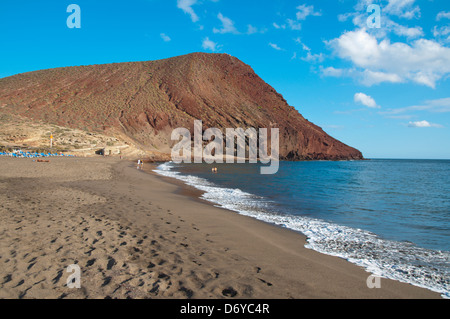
x: 139, y: 164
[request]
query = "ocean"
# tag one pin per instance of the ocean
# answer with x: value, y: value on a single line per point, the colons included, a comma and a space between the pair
x: 391, y: 217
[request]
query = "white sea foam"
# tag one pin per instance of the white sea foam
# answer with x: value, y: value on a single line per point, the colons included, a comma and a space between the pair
x: 389, y: 259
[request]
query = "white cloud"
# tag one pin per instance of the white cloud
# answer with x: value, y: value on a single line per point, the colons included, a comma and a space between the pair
x: 401, y: 30
x: 310, y: 57
x: 423, y: 61
x: 359, y: 19
x: 314, y: 57
x: 186, y: 6
x: 209, y: 45
x: 276, y: 47
x: 369, y: 78
x: 433, y: 106
x: 304, y: 46
x: 294, y: 25
x: 442, y: 33
x: 333, y: 72
x: 403, y: 8
x: 276, y: 26
x: 363, y: 4
x: 365, y: 100
x: 443, y: 15
x: 227, y: 25
x: 423, y: 124
x: 344, y: 17
x: 365, y: 77
x: 251, y: 29
x: 358, y: 46
x: 165, y: 37
x: 304, y: 11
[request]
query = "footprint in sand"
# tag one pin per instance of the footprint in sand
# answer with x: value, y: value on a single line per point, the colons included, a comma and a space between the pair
x: 7, y: 279
x: 155, y: 289
x: 188, y: 292
x: 267, y: 283
x: 20, y: 283
x: 106, y: 281
x: 58, y: 277
x: 229, y: 292
x: 162, y: 262
x: 90, y: 262
x: 111, y: 263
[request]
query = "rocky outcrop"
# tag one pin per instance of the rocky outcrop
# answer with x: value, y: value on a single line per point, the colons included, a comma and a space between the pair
x: 145, y: 101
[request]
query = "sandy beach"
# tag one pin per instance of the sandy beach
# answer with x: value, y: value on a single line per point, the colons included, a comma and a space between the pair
x: 137, y: 235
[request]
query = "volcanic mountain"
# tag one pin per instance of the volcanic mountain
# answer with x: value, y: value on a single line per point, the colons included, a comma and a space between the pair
x: 142, y: 102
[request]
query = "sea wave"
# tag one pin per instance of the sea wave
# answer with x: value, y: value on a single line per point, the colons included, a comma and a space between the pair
x: 401, y: 261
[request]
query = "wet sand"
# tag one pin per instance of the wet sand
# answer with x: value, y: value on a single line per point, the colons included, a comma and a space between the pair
x: 137, y: 235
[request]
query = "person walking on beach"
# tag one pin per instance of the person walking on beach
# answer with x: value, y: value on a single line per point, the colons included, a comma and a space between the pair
x: 139, y: 164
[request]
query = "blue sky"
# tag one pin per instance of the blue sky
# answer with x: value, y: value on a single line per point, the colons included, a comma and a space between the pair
x: 385, y: 91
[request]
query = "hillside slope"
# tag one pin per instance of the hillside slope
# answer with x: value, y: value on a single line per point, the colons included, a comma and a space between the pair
x: 143, y: 102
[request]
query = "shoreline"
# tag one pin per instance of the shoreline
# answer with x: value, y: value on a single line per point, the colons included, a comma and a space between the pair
x: 193, y: 194
x: 196, y: 194
x: 137, y: 235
